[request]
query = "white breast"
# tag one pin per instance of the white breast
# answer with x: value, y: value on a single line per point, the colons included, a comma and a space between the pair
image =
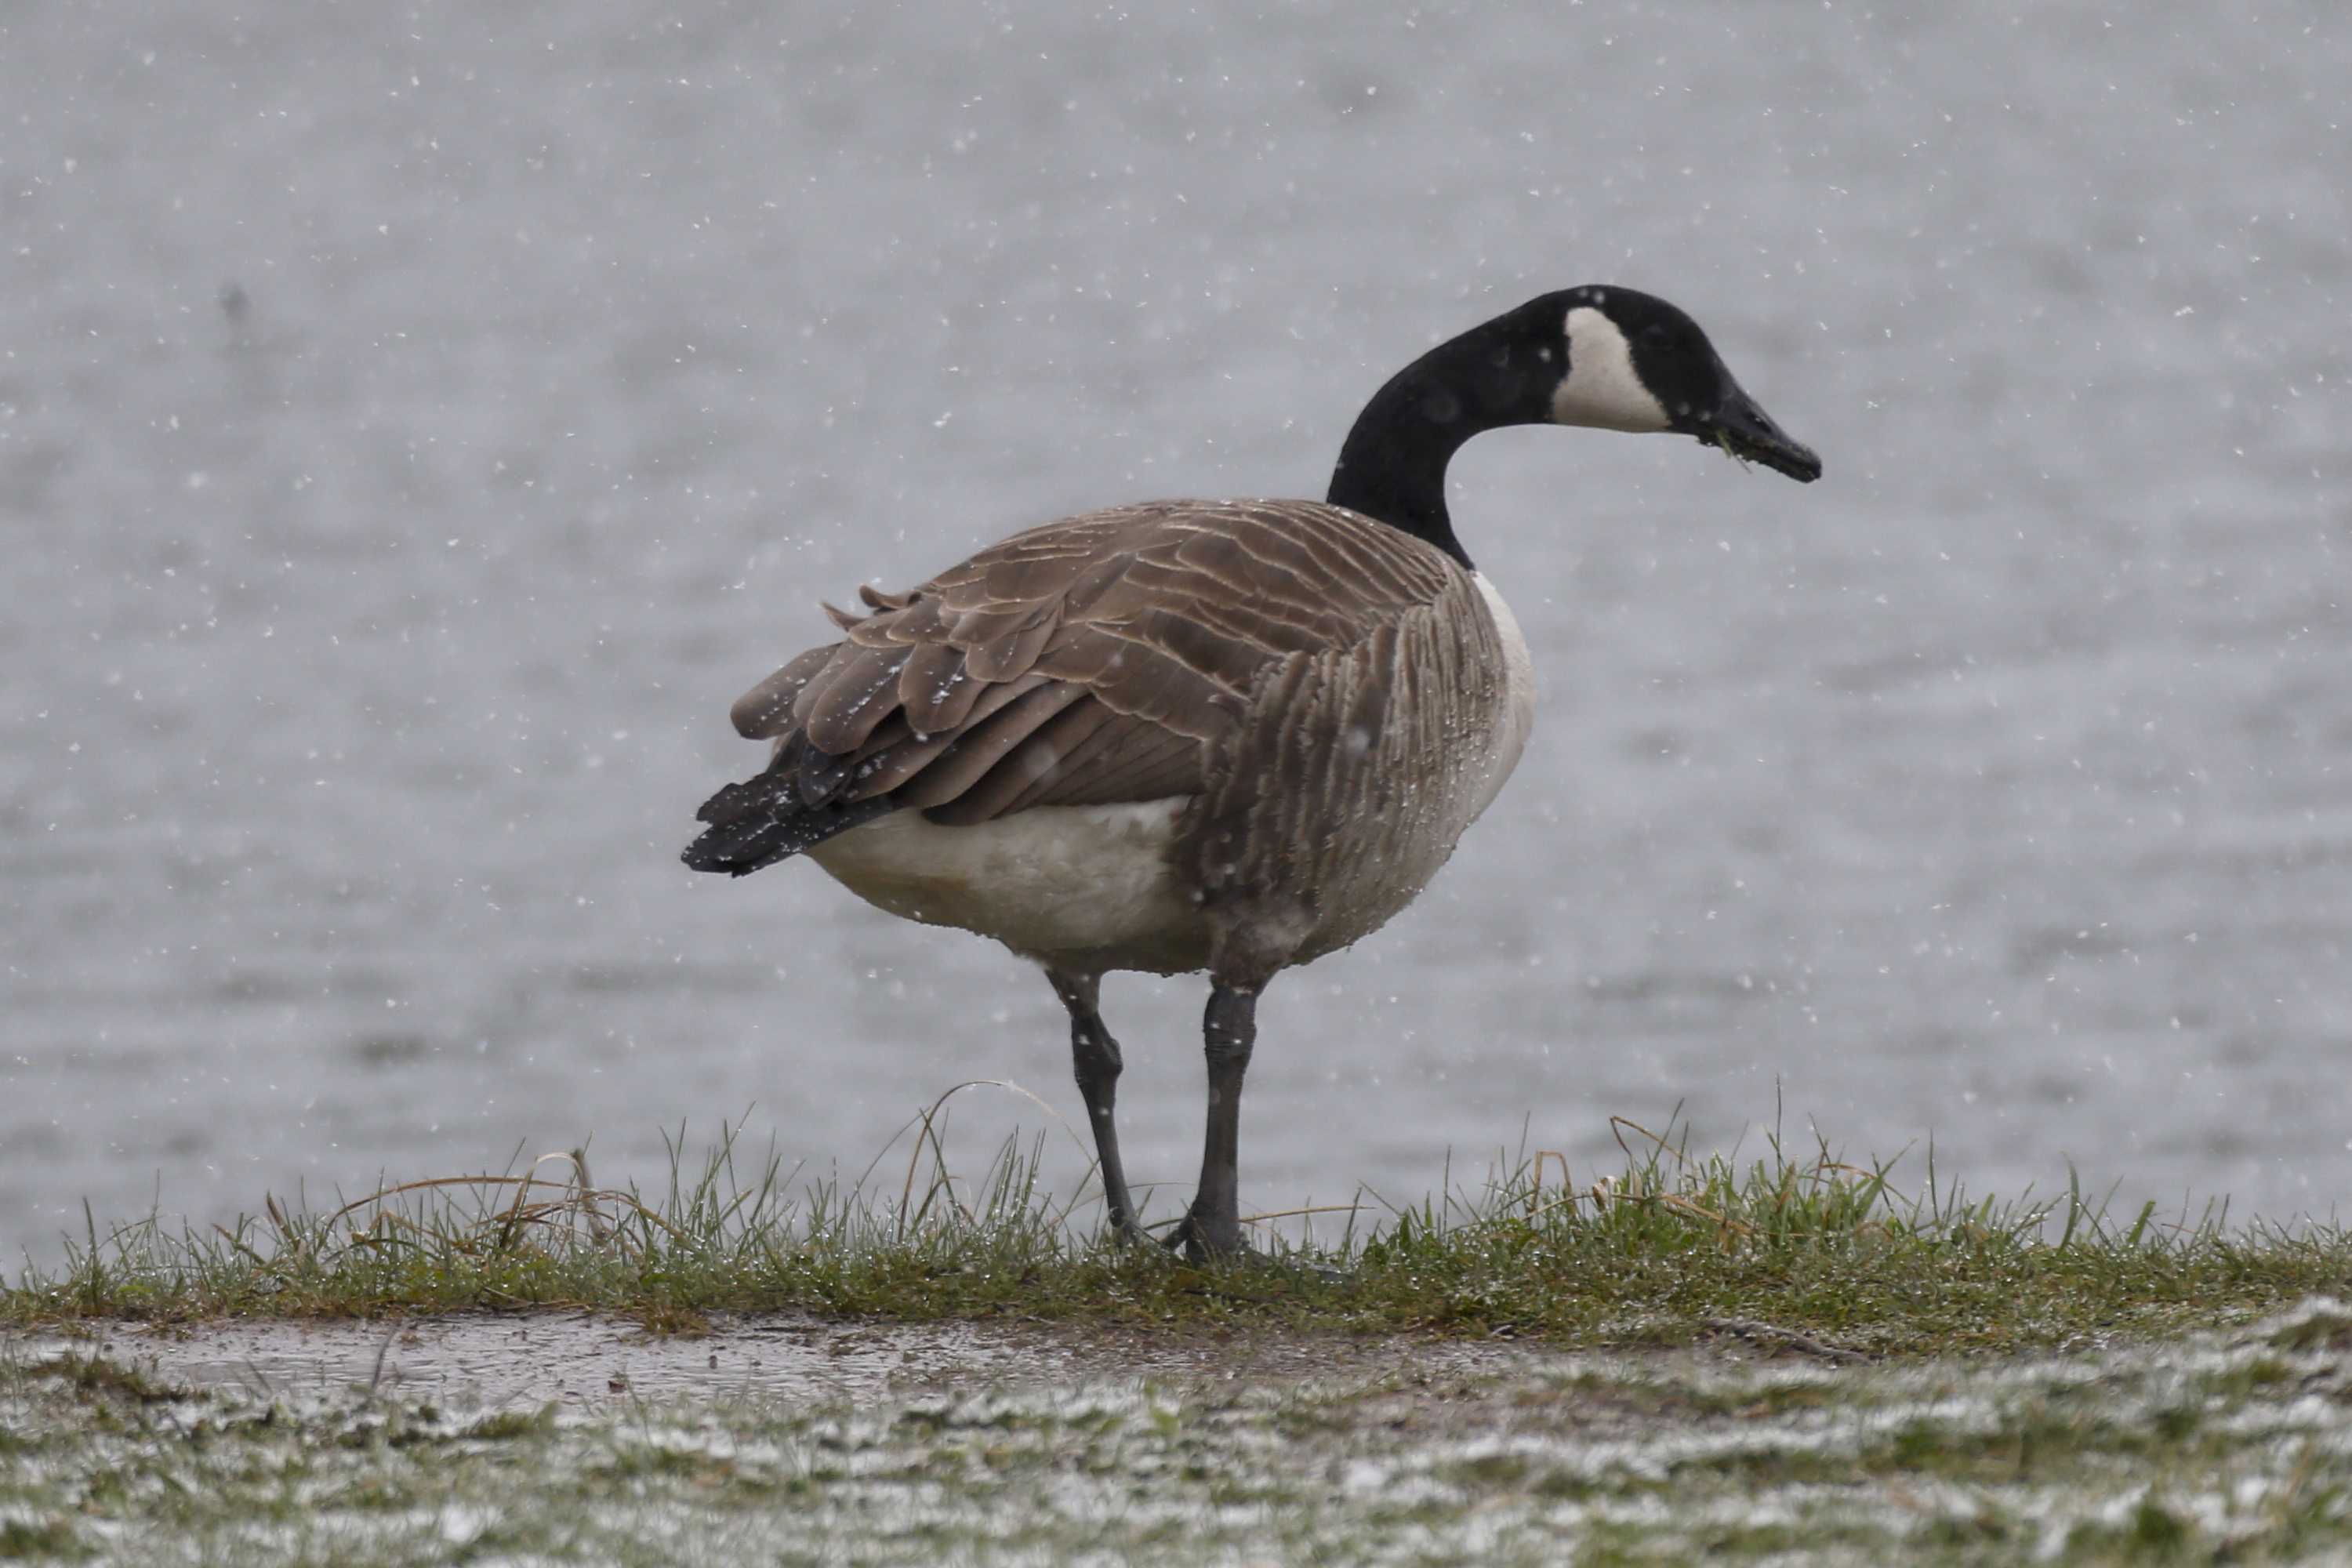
x: 1519, y: 697
x: 1052, y: 881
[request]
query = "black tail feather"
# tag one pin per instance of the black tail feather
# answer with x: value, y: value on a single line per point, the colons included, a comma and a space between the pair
x: 764, y: 820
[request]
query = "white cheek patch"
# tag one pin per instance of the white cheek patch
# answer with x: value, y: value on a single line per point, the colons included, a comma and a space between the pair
x: 1602, y: 389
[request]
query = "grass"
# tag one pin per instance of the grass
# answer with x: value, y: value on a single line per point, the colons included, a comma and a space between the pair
x: 1803, y: 1249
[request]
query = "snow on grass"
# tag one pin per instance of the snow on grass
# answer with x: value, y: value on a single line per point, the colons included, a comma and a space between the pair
x: 2237, y: 1443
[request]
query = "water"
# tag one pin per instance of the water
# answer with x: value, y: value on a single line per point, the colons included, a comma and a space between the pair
x: 416, y: 428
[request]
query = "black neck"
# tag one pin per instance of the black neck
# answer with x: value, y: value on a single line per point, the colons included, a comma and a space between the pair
x: 1393, y: 466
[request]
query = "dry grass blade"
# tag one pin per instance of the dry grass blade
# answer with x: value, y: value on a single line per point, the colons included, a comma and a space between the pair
x: 432, y: 1183
x: 1620, y: 1125
x: 1536, y: 1175
x: 599, y: 1231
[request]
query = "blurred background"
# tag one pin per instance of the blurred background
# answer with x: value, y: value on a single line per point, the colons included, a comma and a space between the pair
x: 418, y: 424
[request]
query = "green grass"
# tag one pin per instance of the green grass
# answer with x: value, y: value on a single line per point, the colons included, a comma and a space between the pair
x: 1668, y: 1248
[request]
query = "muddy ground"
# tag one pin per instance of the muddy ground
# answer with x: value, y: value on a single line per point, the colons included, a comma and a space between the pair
x: 579, y: 1360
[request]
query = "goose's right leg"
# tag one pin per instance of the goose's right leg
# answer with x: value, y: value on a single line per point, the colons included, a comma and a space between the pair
x: 1094, y: 1061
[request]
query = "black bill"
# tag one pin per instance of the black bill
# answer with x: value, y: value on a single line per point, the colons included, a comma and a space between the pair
x: 1747, y: 432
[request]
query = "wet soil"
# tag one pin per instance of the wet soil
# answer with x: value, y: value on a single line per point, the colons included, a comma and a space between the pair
x: 585, y: 1360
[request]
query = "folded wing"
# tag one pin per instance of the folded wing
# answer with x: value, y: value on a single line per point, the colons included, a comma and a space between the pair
x: 1105, y: 658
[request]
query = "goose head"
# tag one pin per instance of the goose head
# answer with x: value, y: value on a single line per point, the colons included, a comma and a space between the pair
x: 1611, y: 358
x: 1633, y: 361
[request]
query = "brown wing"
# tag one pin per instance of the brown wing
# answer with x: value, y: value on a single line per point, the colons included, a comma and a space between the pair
x: 1103, y: 657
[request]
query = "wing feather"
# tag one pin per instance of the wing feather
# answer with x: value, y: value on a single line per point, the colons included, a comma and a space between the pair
x: 980, y: 748
x: 858, y: 693
x: 765, y: 712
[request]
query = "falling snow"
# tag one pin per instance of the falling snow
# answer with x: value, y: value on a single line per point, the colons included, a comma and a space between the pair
x: 417, y: 424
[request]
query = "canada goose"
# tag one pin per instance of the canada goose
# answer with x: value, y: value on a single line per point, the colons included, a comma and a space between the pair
x: 1223, y: 735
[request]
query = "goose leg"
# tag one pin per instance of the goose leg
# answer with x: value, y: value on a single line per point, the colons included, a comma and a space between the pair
x: 1094, y: 1061
x: 1213, y: 1227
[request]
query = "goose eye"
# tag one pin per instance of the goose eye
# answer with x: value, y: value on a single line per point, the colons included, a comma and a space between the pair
x: 1656, y: 336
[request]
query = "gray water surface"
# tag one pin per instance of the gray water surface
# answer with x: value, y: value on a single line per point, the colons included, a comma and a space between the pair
x: 417, y: 424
